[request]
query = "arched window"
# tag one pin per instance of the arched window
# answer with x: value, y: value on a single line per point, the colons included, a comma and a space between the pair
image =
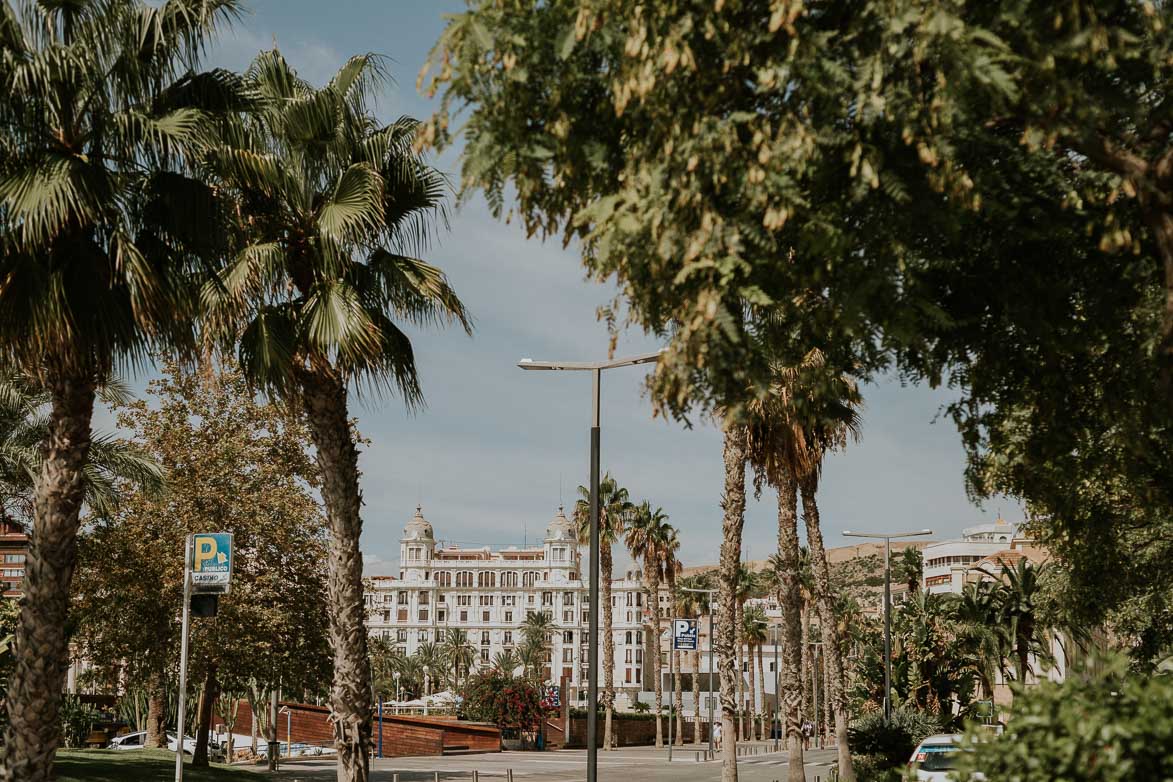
x: 444, y: 578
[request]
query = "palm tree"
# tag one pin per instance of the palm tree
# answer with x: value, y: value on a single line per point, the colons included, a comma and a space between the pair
x: 506, y: 661
x: 430, y: 661
x: 753, y: 630
x: 458, y: 653
x: 101, y: 231
x: 333, y: 208
x: 644, y: 537
x: 24, y: 428
x: 669, y: 546
x: 535, y: 632
x: 733, y: 521
x: 532, y: 656
x: 807, y: 412
x: 1018, y: 610
x: 615, y: 507
x: 982, y: 637
x: 747, y: 586
x: 690, y: 604
x: 908, y: 567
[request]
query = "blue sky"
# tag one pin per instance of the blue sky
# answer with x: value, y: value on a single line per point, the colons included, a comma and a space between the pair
x: 496, y: 448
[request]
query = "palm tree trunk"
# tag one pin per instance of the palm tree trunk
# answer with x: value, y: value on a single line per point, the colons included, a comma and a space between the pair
x: 652, y: 645
x: 733, y: 506
x: 740, y: 619
x: 208, y: 695
x: 761, y: 696
x: 324, y: 396
x: 608, y: 643
x: 836, y: 693
x: 807, y: 662
x: 41, y: 656
x: 751, y: 709
x: 696, y: 692
x: 793, y: 625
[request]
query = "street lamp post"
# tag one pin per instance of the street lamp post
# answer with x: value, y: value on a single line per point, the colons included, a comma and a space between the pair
x: 596, y: 370
x: 708, y: 593
x: 427, y: 684
x: 398, y: 695
x: 887, y: 538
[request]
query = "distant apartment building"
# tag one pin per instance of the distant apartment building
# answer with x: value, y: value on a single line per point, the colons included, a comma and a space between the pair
x: 947, y: 564
x: 14, y: 546
x: 489, y: 593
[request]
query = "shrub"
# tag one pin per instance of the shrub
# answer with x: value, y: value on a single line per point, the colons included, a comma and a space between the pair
x: 505, y: 701
x: 1103, y: 724
x: 77, y: 719
x: 640, y: 707
x: 892, y: 743
x: 875, y: 768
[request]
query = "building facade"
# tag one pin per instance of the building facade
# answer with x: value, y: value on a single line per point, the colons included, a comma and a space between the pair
x: 489, y: 593
x: 946, y: 564
x: 14, y: 546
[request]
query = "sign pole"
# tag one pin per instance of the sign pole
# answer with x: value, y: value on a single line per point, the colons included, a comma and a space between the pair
x: 179, y: 733
x: 671, y: 690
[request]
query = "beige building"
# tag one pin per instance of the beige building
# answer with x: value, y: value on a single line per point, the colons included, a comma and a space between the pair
x: 488, y: 593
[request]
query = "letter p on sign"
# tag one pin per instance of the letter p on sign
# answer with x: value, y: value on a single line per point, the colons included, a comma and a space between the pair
x: 205, y: 549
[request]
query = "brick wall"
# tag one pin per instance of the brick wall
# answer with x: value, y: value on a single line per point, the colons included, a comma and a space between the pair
x: 630, y: 733
x: 403, y: 735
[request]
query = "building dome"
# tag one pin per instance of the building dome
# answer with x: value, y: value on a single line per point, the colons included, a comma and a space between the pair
x: 418, y: 528
x: 561, y: 528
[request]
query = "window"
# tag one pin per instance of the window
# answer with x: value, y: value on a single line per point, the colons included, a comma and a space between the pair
x: 486, y: 600
x: 413, y: 554
x: 627, y: 657
x: 423, y: 615
x: 639, y: 636
x: 402, y: 615
x: 567, y: 598
x: 387, y: 598
x: 441, y: 616
x: 464, y: 600
x: 638, y: 671
x: 527, y: 579
x: 401, y: 598
x: 423, y: 636
x: 386, y: 617
x: 627, y: 638
x: 628, y: 675
x: 639, y: 598
x: 509, y: 600
x: 401, y: 636
x: 509, y: 579
x: 639, y: 655
x: 487, y: 579
x: 567, y: 636
x: 629, y: 617
x: 424, y: 598
x: 464, y: 616
x: 444, y: 578
x: 586, y: 598
x: 529, y: 600
x: 484, y: 654
x: 630, y: 599
x: 508, y: 637
x: 484, y: 636
x: 567, y: 617
x: 547, y: 598
x: 546, y: 575
x: 559, y: 554
x: 568, y: 655
x: 485, y: 617
x: 508, y: 617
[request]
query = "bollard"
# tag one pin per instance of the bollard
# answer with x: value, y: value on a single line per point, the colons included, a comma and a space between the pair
x: 508, y: 775
x: 435, y: 776
x: 395, y: 777
x: 476, y: 776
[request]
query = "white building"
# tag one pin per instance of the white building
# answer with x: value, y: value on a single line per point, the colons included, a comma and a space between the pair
x: 946, y: 564
x: 488, y: 594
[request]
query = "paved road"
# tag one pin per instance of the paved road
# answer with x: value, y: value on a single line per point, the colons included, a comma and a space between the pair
x: 631, y: 764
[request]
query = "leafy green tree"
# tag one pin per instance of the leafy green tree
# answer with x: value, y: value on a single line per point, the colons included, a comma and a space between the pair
x: 978, y: 190
x: 615, y: 508
x: 334, y: 208
x: 1102, y: 724
x: 101, y: 229
x: 233, y: 464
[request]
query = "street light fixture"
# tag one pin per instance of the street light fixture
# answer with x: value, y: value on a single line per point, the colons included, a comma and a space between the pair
x: 887, y: 537
x: 596, y: 370
x: 709, y: 601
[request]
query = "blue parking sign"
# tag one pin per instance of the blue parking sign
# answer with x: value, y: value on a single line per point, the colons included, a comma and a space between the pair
x: 684, y: 635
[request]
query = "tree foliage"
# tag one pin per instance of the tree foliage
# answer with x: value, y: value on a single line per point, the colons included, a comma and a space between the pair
x: 976, y: 193
x: 500, y: 698
x: 235, y: 465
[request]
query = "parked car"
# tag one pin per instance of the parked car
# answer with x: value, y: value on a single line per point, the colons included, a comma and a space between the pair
x: 138, y: 740
x: 935, y: 757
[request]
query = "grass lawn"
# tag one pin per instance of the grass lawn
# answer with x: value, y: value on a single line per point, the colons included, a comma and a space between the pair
x: 140, y: 765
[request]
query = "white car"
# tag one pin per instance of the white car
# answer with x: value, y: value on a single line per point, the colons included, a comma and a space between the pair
x: 935, y: 757
x: 137, y: 740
